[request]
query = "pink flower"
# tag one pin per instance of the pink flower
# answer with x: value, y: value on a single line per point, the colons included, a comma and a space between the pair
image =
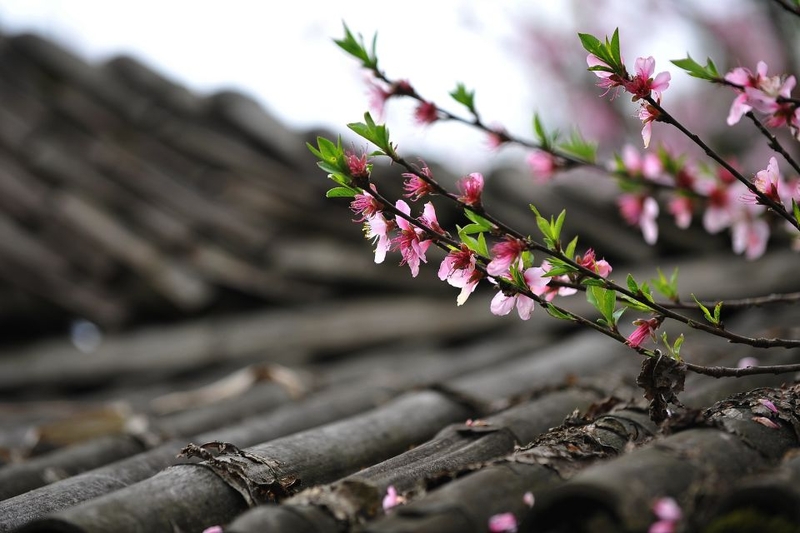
x: 541, y: 284
x: 644, y: 329
x: 503, y: 303
x: 543, y: 165
x: 768, y: 404
x: 634, y: 164
x: 392, y: 499
x: 377, y: 228
x: 642, y: 85
x: 608, y: 80
x: 749, y: 235
x: 681, y: 208
x: 767, y: 182
x: 648, y: 114
x: 426, y: 113
x: 505, y: 254
x: 719, y: 209
x: 668, y: 513
x: 761, y: 92
x: 415, y: 186
x: 458, y: 268
x: 766, y: 422
x: 528, y: 499
x: 428, y: 218
x: 365, y: 205
x: 503, y: 523
x: 213, y: 529
x: 359, y: 166
x: 642, y: 211
x: 410, y: 240
x: 471, y: 188
x: 590, y: 262
x: 497, y: 137
x: 377, y: 98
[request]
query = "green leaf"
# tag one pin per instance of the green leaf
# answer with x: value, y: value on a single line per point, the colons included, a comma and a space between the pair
x: 556, y: 228
x: 377, y: 134
x: 556, y: 313
x: 479, y: 221
x: 604, y: 300
x: 632, y: 285
x: 541, y: 134
x: 355, y: 47
x: 634, y: 304
x: 570, y: 251
x: 592, y: 44
x: 608, y: 52
x: 667, y: 287
x: 579, y: 147
x: 713, y: 319
x: 613, y: 48
x: 464, y: 97
x: 796, y: 210
x: 696, y: 70
x: 341, y: 192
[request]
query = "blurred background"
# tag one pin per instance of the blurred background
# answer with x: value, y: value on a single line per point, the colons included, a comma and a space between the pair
x: 152, y: 156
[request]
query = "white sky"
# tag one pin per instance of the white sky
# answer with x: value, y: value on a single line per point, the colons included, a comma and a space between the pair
x: 286, y: 59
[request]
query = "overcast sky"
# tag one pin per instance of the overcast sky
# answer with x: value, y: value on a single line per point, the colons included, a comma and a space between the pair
x: 287, y: 59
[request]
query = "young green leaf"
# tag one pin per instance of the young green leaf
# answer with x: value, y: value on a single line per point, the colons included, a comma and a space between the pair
x: 556, y: 313
x: 478, y: 220
x: 579, y: 147
x: 377, y: 134
x: 464, y: 97
x: 667, y: 287
x: 355, y: 47
x: 713, y: 319
x: 696, y: 70
x: 632, y: 285
x: 341, y: 192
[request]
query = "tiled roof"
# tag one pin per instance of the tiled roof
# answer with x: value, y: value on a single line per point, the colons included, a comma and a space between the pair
x: 247, y: 328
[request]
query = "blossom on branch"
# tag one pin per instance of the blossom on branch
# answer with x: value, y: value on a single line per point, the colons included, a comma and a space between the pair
x: 458, y: 269
x: 543, y: 165
x: 644, y: 329
x: 761, y: 92
x: 504, y: 302
x: 426, y: 113
x: 471, y: 188
x: 377, y: 228
x: 366, y: 205
x: 505, y: 254
x: 411, y: 241
x: 415, y: 186
x: 647, y: 114
x: 769, y: 183
x: 642, y: 84
x: 642, y: 211
x: 608, y: 80
x: 589, y: 261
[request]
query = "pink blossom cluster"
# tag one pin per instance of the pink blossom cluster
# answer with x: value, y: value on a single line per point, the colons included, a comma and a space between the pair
x: 460, y: 267
x: 766, y: 94
x: 642, y: 86
x: 725, y: 202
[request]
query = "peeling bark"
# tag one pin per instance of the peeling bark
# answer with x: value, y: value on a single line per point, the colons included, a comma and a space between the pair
x: 617, y: 495
x: 455, y: 450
